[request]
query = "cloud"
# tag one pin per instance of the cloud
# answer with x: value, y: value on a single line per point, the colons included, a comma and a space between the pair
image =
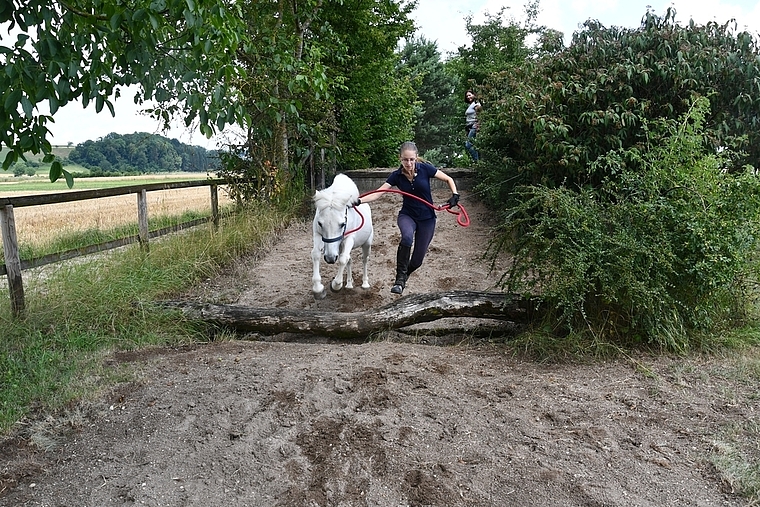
x: 75, y: 124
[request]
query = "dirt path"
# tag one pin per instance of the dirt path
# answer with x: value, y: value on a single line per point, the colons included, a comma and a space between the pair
x: 284, y: 421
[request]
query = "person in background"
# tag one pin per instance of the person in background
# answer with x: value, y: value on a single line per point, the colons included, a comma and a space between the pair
x: 471, y: 122
x: 416, y: 220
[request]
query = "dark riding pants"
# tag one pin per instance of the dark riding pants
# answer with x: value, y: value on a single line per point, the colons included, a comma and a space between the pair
x: 418, y: 233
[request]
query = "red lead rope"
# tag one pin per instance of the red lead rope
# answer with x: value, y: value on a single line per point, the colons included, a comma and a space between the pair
x: 463, y: 218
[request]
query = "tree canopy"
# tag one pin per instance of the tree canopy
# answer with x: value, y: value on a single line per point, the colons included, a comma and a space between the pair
x: 141, y: 153
x: 180, y: 53
x: 321, y: 77
x: 438, y: 109
x: 555, y: 115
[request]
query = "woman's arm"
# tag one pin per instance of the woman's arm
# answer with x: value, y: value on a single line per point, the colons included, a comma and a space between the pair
x: 448, y: 179
x: 376, y: 195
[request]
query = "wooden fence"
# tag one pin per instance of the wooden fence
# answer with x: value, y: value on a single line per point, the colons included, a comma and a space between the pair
x: 14, y: 265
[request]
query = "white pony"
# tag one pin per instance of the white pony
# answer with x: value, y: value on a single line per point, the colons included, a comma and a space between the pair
x: 338, y: 229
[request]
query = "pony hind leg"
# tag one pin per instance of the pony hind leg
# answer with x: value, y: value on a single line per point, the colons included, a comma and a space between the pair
x: 349, y: 275
x: 366, y: 250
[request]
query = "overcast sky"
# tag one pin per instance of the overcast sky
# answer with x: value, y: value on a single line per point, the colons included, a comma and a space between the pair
x: 441, y: 21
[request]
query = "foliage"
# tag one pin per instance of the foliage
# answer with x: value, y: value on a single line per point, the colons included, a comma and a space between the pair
x: 254, y: 178
x: 496, y: 46
x: 661, y: 251
x: 283, y: 60
x: 141, y: 153
x: 437, y: 112
x: 312, y: 88
x: 551, y: 119
x: 285, y: 73
x: 375, y: 100
x: 179, y: 52
x: 25, y: 169
x: 195, y: 159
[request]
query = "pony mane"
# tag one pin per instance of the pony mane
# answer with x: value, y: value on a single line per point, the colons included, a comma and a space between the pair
x: 340, y: 194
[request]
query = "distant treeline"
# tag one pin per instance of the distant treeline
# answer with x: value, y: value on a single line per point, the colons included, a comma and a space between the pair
x: 141, y: 153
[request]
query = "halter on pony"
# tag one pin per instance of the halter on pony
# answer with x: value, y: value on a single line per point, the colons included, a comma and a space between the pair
x: 344, y: 233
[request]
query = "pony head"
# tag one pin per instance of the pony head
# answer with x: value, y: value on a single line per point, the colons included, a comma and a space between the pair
x: 332, y: 209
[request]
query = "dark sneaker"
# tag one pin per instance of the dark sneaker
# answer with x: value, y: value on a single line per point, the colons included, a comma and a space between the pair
x: 397, y: 289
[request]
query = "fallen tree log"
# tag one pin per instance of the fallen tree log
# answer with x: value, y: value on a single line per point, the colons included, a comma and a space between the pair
x: 404, y: 312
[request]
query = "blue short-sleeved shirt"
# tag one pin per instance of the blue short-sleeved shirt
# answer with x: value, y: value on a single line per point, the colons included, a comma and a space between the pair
x: 419, y: 186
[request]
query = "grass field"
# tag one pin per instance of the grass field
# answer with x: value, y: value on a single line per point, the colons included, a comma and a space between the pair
x: 38, y: 228
x: 77, y: 313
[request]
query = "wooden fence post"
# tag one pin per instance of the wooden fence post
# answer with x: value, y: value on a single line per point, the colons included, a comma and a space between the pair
x: 142, y: 219
x: 12, y: 260
x: 214, y: 206
x: 13, y: 265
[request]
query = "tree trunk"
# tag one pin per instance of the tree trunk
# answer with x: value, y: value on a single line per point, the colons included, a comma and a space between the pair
x: 404, y: 312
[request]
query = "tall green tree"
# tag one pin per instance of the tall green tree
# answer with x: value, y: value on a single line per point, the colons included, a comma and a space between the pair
x: 438, y: 112
x: 498, y: 44
x: 284, y: 67
x: 320, y: 74
x: 374, y: 104
x: 180, y: 54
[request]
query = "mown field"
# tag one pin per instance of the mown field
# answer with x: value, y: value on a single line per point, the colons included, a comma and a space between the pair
x: 61, y: 152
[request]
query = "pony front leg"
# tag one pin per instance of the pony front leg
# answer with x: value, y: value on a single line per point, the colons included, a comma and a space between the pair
x: 344, y: 260
x: 316, y: 279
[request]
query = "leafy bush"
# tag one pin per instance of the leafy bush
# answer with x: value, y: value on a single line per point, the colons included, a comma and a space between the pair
x: 548, y: 120
x: 27, y: 168
x: 659, y: 254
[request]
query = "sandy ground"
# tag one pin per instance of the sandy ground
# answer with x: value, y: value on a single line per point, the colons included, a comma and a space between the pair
x: 436, y: 415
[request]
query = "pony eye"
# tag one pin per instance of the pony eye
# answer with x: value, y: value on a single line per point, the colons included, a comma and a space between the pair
x: 319, y: 224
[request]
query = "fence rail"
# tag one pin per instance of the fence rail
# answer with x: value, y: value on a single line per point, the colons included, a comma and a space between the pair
x: 14, y: 265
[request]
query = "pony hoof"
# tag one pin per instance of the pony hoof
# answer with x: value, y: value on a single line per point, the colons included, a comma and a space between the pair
x: 332, y: 288
x: 320, y: 295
